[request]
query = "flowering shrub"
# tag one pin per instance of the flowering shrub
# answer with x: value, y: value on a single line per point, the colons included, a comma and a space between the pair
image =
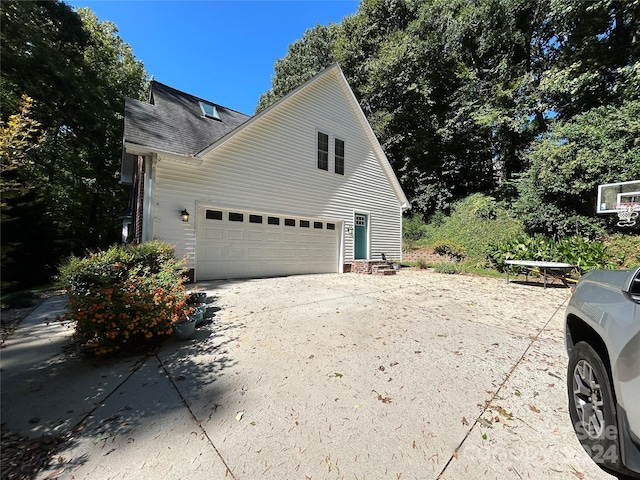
x: 125, y: 298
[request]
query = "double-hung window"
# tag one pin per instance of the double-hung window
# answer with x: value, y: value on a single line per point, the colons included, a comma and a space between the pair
x: 325, y: 155
x: 323, y: 151
x: 338, y: 154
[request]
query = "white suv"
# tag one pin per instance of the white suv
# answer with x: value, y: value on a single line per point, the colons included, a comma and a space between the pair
x: 602, y: 335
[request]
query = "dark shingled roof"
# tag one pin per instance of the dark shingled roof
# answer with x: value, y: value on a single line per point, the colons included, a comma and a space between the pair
x: 174, y: 122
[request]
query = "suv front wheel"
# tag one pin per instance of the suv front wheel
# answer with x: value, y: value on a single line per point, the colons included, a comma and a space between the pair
x: 592, y: 406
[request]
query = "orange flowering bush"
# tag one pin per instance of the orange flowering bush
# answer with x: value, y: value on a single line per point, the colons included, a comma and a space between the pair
x: 125, y: 298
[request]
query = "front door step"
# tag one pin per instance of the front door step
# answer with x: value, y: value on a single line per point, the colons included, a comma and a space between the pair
x: 374, y: 267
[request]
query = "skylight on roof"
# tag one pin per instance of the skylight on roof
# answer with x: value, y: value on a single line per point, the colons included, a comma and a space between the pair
x: 209, y: 110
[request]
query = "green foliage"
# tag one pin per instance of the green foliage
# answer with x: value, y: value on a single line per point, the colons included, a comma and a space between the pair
x: 18, y: 136
x: 625, y: 249
x: 589, y: 45
x: 22, y: 299
x: 78, y: 71
x: 422, y: 263
x: 451, y: 268
x: 413, y: 228
x: 582, y: 252
x: 483, y: 207
x: 558, y: 192
x: 468, y: 227
x: 449, y: 249
x: 125, y: 298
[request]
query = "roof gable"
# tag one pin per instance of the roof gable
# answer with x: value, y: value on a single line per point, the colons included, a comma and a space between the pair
x: 173, y: 121
x: 333, y: 72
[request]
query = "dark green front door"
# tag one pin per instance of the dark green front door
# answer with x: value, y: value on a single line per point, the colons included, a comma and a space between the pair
x: 360, y: 236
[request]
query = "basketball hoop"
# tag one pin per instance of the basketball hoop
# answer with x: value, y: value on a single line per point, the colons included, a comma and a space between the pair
x: 627, y: 214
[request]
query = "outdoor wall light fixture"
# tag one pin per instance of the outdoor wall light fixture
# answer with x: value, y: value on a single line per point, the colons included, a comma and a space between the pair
x: 185, y: 215
x: 349, y: 230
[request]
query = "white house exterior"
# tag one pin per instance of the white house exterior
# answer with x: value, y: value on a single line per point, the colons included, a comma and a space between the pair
x: 302, y: 187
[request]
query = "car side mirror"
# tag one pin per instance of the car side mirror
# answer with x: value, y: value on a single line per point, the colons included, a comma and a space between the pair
x: 631, y: 286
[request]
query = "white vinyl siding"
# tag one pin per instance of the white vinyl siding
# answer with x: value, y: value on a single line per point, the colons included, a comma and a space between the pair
x: 267, y: 167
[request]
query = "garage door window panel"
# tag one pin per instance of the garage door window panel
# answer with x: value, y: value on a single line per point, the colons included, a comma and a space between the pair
x: 213, y: 215
x: 236, y: 217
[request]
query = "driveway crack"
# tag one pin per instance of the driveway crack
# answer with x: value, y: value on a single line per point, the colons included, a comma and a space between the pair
x: 499, y: 389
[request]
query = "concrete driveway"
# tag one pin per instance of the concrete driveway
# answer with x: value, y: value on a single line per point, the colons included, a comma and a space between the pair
x: 414, y: 376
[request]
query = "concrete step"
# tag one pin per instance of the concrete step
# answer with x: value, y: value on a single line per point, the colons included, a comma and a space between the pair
x: 382, y: 270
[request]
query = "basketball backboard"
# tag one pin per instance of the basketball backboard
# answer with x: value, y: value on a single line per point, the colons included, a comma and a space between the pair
x: 612, y: 195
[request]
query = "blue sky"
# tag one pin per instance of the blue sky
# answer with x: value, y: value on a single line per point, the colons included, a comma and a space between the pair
x: 222, y: 51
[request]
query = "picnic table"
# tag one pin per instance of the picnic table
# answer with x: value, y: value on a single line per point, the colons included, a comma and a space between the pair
x: 548, y: 269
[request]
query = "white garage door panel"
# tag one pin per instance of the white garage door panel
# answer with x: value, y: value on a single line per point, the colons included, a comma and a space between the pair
x: 214, y: 233
x: 232, y: 249
x: 214, y: 253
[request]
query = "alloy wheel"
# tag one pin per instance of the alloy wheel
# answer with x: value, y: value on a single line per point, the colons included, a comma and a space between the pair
x: 588, y: 399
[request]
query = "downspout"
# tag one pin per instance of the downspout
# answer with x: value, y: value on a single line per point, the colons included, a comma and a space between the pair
x: 137, y: 200
x: 149, y: 188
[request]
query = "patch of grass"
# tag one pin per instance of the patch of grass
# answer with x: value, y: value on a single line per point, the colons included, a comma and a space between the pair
x: 422, y: 263
x: 448, y: 267
x: 22, y: 299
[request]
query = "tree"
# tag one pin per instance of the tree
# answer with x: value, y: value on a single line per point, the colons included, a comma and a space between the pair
x: 591, y: 42
x: 78, y: 71
x: 593, y: 84
x: 18, y: 136
x: 558, y: 193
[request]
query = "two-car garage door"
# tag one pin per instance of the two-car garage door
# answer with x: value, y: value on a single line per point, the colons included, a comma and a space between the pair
x: 241, y: 244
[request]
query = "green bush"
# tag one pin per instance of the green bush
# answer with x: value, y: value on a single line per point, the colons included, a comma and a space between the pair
x: 449, y: 249
x: 482, y: 206
x: 625, y: 249
x: 422, y: 263
x: 474, y: 223
x: 412, y: 228
x: 582, y: 252
x: 124, y: 298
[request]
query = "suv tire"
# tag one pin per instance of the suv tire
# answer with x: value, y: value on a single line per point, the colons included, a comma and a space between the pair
x: 592, y: 406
